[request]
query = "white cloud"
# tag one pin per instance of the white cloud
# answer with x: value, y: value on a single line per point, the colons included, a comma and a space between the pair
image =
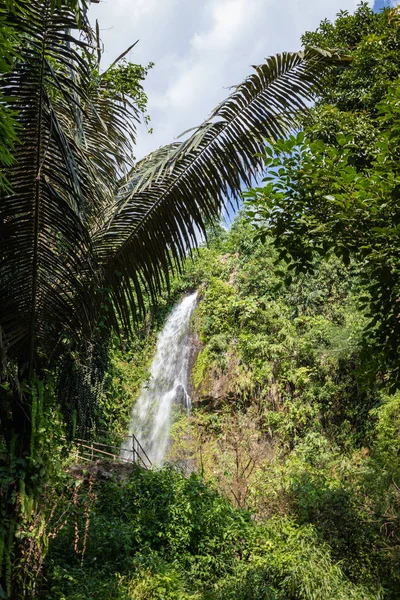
x: 201, y: 47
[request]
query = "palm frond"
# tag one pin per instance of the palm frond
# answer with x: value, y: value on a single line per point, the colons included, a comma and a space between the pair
x: 78, y: 237
x: 162, y: 209
x: 45, y: 248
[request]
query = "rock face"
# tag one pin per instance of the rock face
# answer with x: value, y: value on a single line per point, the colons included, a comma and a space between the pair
x: 195, y: 348
x: 103, y: 470
x: 219, y: 386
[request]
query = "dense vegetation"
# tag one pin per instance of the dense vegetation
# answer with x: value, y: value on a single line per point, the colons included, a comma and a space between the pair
x: 88, y: 235
x: 284, y: 481
x: 297, y: 494
x: 295, y: 430
x: 334, y: 187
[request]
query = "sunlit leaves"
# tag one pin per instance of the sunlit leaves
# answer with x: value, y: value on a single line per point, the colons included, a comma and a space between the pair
x: 317, y: 201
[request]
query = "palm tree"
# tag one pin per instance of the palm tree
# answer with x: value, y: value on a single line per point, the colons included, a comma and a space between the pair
x: 85, y: 232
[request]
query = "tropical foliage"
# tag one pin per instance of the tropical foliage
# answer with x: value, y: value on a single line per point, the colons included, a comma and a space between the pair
x: 164, y: 535
x: 294, y: 485
x: 295, y: 420
x: 334, y: 188
x: 87, y: 235
x: 286, y: 476
x: 8, y: 45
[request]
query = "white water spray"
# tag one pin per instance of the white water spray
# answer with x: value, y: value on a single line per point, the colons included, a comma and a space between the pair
x: 168, y: 384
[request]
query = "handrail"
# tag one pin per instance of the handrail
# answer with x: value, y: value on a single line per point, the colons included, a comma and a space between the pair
x: 134, y: 439
x: 91, y: 448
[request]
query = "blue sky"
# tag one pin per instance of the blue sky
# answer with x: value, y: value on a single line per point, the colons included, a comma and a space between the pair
x: 382, y: 3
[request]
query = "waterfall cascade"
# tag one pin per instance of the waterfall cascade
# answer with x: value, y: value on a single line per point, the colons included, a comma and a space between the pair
x: 167, y: 385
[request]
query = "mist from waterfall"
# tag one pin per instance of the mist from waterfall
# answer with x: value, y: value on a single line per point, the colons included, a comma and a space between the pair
x: 167, y: 386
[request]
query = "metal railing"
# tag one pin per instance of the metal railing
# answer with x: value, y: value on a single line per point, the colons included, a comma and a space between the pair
x: 90, y: 451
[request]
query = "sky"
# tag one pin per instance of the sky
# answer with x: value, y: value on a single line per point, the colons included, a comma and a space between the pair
x: 200, y: 48
x: 382, y: 3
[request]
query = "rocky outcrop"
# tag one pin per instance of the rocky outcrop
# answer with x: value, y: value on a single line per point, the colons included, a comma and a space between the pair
x: 103, y: 470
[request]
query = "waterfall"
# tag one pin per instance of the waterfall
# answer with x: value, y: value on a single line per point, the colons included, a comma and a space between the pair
x: 167, y: 385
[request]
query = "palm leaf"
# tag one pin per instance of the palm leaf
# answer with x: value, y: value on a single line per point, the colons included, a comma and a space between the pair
x: 44, y: 244
x: 163, y: 206
x: 77, y: 239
